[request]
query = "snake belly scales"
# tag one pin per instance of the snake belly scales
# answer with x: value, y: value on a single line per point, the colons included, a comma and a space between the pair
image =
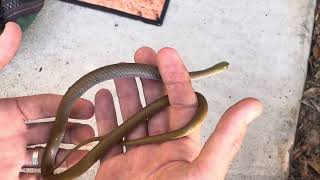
x: 106, y: 142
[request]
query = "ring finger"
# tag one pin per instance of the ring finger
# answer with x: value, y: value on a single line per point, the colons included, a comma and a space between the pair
x: 34, y: 156
x: 38, y: 133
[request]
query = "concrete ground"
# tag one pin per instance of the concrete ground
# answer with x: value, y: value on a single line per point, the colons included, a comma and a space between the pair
x: 266, y: 42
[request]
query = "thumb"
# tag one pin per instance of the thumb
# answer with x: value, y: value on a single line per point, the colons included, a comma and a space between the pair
x: 9, y: 43
x: 220, y: 149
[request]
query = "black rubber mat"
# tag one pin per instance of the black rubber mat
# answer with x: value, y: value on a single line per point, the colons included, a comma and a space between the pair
x: 21, y: 11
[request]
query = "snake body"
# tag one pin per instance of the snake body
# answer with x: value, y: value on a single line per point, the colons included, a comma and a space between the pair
x: 116, y: 136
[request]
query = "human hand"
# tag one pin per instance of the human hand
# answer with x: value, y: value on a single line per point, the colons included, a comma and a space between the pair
x: 15, y: 135
x: 9, y: 43
x: 177, y: 159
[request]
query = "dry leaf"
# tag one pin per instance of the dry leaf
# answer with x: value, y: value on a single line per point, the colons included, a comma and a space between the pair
x: 304, y: 169
x: 317, y: 41
x: 316, y: 52
x: 312, y: 92
x: 307, y: 103
x: 298, y: 152
x: 315, y: 165
x: 315, y: 105
x: 313, y: 137
x: 317, y: 75
x: 312, y: 83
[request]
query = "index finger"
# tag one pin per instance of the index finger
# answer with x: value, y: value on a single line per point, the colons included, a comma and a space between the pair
x: 177, y: 82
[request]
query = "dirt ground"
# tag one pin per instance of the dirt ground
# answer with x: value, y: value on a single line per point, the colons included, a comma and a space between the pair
x: 305, y: 155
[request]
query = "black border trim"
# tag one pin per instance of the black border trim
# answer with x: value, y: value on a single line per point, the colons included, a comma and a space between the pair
x: 158, y: 22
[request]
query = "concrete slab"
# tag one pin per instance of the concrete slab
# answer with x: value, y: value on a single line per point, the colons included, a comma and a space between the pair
x: 266, y: 42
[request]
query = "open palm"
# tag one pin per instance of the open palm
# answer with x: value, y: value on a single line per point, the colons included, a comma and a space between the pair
x: 177, y: 159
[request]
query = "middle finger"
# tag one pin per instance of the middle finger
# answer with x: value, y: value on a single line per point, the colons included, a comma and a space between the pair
x: 129, y: 100
x: 152, y: 90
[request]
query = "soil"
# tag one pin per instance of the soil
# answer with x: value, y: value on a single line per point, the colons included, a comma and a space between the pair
x: 305, y: 155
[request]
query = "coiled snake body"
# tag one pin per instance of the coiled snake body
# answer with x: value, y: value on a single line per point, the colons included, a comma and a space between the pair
x: 116, y: 136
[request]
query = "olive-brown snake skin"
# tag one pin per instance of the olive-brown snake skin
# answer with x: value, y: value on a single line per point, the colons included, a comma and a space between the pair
x: 116, y: 136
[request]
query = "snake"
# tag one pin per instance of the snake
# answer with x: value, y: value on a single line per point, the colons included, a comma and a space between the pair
x: 117, y: 136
